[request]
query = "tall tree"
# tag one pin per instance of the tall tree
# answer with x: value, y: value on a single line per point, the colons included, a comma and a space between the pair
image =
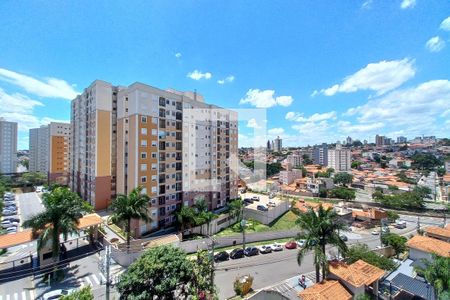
x: 437, y: 273
x: 236, y: 209
x: 134, y: 206
x: 343, y: 178
x: 62, y: 211
x: 320, y: 229
x: 185, y: 217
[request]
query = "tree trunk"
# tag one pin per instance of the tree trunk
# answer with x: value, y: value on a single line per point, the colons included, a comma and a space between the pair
x: 317, y: 273
x: 324, y: 263
x: 128, y: 234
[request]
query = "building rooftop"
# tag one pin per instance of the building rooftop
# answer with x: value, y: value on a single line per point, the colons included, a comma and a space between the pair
x: 429, y: 245
x: 413, y: 286
x: 357, y: 274
x: 435, y: 230
x: 325, y: 290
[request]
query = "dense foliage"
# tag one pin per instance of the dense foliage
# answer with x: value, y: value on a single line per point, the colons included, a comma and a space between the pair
x: 342, y: 193
x: 325, y: 174
x: 425, y: 161
x: 392, y: 216
x: 437, y: 273
x: 343, y: 178
x: 307, y: 160
x: 397, y: 242
x: 403, y: 178
x: 33, y: 179
x: 84, y: 293
x: 362, y: 251
x: 408, y: 200
x: 271, y: 168
x: 166, y: 272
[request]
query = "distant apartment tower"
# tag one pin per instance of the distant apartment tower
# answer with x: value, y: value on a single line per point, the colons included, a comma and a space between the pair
x: 171, y: 143
x: 277, y: 144
x: 269, y: 145
x: 447, y: 167
x: 294, y: 160
x: 339, y: 159
x: 401, y: 140
x: 320, y: 155
x: 348, y: 141
x: 380, y: 140
x: 39, y: 145
x: 49, y: 151
x: 8, y: 146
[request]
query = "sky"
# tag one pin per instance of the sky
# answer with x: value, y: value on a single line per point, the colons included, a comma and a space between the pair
x: 319, y: 70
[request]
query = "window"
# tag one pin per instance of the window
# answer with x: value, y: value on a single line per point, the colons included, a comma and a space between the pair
x: 153, y: 143
x: 153, y: 177
x: 144, y: 131
x: 154, y: 121
x: 154, y: 132
x: 153, y: 166
x: 144, y: 179
x: 144, y: 143
x: 143, y: 155
x: 154, y: 190
x: 144, y: 119
x: 144, y: 191
x: 153, y: 154
x: 143, y: 167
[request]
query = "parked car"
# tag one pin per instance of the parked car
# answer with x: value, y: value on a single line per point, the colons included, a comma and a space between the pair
x: 271, y: 195
x: 12, y: 229
x: 221, y: 256
x: 237, y: 253
x: 248, y: 200
x: 400, y: 224
x: 251, y: 251
x: 301, y: 243
x: 8, y: 223
x: 265, y: 249
x: 271, y: 203
x: 7, y: 212
x: 11, y: 219
x: 277, y: 247
x: 291, y: 245
x: 262, y: 207
x: 255, y: 198
x: 375, y: 232
x: 56, y: 294
x: 343, y: 237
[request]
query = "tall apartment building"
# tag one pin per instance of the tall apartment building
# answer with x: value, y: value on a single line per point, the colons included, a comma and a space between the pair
x: 8, y: 146
x: 277, y: 144
x: 320, y: 155
x: 339, y: 159
x: 294, y: 160
x: 49, y: 151
x: 39, y: 144
x: 380, y: 140
x: 401, y: 140
x: 173, y: 144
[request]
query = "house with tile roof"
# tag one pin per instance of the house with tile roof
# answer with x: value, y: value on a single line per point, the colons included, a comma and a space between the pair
x: 358, y: 278
x: 423, y: 247
x: 439, y: 233
x: 325, y: 290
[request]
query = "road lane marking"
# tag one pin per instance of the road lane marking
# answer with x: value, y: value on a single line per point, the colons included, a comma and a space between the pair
x: 88, y: 280
x: 80, y: 282
x: 95, y: 278
x: 101, y: 275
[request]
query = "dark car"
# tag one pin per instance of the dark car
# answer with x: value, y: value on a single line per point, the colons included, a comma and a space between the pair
x: 343, y: 237
x: 11, y: 219
x: 237, y: 253
x: 221, y: 256
x: 248, y: 200
x: 262, y: 207
x: 250, y: 251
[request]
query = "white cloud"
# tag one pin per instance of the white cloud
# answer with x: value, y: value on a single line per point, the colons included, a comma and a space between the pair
x: 276, y: 131
x: 367, y: 4
x: 435, y: 44
x: 407, y: 4
x: 49, y: 87
x: 265, y: 99
x: 298, y: 117
x: 416, y: 110
x: 380, y: 77
x: 16, y: 103
x: 197, y: 75
x: 178, y: 55
x: 227, y: 79
x: 445, y: 25
x: 349, y: 128
x: 252, y: 123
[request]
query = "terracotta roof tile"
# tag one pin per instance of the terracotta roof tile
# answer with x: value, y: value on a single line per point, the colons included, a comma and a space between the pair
x: 444, y: 232
x: 325, y: 290
x: 357, y: 274
x: 429, y: 245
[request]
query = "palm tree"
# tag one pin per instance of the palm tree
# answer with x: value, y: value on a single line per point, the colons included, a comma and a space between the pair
x: 185, y: 217
x: 134, y: 206
x: 208, y: 216
x: 61, y: 215
x: 320, y: 229
x: 437, y: 272
x: 236, y: 209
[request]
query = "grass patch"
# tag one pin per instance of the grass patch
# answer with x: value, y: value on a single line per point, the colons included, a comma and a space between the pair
x: 118, y: 230
x: 284, y: 222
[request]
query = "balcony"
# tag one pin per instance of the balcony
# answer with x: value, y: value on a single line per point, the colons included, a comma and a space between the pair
x: 162, y: 124
x: 178, y: 166
x: 162, y: 113
x: 162, y: 101
x: 162, y: 146
x: 162, y: 168
x: 179, y: 116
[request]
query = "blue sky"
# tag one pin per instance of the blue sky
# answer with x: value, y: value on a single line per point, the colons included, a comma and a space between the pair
x: 322, y: 69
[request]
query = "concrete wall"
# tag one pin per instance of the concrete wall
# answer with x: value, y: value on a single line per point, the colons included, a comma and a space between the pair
x: 222, y: 222
x: 266, y: 217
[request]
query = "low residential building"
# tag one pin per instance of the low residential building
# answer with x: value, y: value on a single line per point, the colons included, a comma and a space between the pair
x: 288, y: 177
x: 406, y: 287
x: 325, y: 290
x: 423, y: 247
x: 372, y: 215
x: 439, y: 233
x: 359, y: 277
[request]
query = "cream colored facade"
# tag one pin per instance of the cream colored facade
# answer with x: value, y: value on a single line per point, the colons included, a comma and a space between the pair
x: 173, y: 144
x: 49, y: 151
x: 339, y: 159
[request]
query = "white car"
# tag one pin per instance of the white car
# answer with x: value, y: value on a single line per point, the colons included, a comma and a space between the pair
x: 301, y: 243
x: 7, y: 224
x: 12, y: 229
x: 276, y: 247
x: 56, y: 294
x: 39, y: 189
x: 7, y: 212
x: 375, y: 232
x: 265, y: 249
x: 271, y: 203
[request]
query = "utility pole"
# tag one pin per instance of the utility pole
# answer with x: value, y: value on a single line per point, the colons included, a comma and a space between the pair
x: 107, y: 267
x: 418, y: 224
x: 213, y: 243
x: 243, y: 223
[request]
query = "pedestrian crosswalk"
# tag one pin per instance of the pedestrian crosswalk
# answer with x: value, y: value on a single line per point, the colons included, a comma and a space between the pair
x: 94, y: 280
x: 24, y: 295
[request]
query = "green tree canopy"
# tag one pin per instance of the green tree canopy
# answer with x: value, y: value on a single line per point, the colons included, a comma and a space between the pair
x: 343, y: 178
x: 362, y: 251
x: 397, y: 242
x: 425, y: 161
x: 84, y: 293
x: 342, y: 193
x: 437, y: 273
